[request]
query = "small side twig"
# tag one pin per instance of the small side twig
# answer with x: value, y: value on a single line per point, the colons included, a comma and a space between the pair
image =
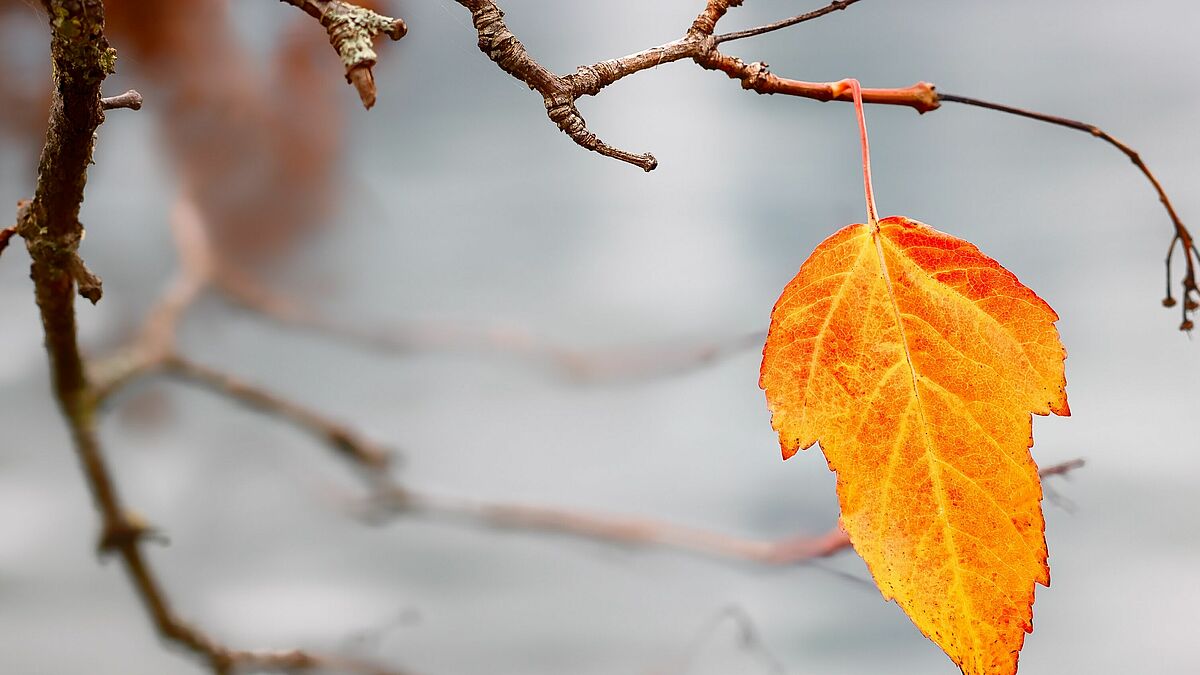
x: 130, y: 100
x: 832, y: 7
x: 5, y: 235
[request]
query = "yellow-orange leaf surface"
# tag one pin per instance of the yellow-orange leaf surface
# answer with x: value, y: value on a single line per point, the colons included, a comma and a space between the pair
x: 915, y: 360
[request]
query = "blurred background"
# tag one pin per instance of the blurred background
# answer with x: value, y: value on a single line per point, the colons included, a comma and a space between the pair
x: 455, y: 200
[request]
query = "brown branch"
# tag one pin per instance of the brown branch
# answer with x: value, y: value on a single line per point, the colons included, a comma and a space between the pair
x: 700, y: 44
x: 50, y: 226
x: 1183, y: 237
x: 52, y: 231
x: 921, y: 96
x: 130, y: 100
x: 352, y: 30
x: 560, y: 92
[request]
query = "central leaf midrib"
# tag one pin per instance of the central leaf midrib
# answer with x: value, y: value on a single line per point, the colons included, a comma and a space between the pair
x: 935, y: 471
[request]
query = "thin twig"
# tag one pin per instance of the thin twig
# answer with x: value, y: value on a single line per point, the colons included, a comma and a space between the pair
x: 1190, y: 294
x: 749, y: 638
x: 361, y: 451
x: 575, y: 365
x: 1062, y: 469
x: 786, y: 23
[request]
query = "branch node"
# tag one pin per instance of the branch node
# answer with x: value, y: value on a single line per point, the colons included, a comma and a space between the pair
x: 756, y: 76
x: 706, y: 23
x: 61, y: 252
x: 126, y: 532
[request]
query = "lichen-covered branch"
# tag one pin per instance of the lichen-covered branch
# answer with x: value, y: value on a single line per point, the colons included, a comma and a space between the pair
x: 352, y: 31
x: 50, y: 225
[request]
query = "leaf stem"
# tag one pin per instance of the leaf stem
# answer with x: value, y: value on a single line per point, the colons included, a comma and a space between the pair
x: 869, y: 191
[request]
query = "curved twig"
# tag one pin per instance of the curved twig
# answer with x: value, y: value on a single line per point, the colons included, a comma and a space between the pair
x: 1190, y: 294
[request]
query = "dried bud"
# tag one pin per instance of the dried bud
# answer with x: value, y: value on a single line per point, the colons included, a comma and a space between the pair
x: 1168, y: 301
x: 1187, y: 325
x: 1191, y: 305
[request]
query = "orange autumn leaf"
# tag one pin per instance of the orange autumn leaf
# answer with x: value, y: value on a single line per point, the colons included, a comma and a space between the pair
x: 915, y: 360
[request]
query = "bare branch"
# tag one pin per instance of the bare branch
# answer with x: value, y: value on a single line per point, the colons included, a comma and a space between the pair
x: 130, y: 99
x: 921, y: 96
x: 1190, y: 291
x: 352, y: 31
x: 700, y: 44
x: 560, y: 93
x: 786, y: 23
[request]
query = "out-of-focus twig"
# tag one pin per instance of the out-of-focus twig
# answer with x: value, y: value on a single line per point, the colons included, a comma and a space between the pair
x: 749, y: 638
x: 393, y: 500
x: 5, y: 235
x: 363, y: 452
x: 634, y: 362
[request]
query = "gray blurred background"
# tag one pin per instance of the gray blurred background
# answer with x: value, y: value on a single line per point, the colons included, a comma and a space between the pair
x: 460, y: 201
